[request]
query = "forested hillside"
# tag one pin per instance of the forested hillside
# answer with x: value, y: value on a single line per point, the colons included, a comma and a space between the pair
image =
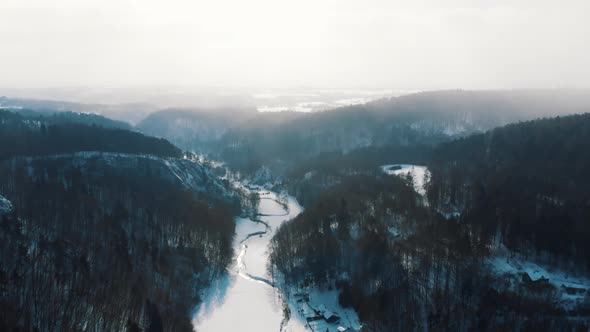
x: 483, y: 250
x: 309, y: 178
x: 526, y: 183
x: 45, y: 136
x: 67, y: 117
x: 116, y: 113
x: 426, y: 118
x: 105, y: 240
x: 196, y: 130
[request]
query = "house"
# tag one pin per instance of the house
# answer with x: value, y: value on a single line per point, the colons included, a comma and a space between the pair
x: 573, y: 290
x: 313, y: 318
x: 331, y: 317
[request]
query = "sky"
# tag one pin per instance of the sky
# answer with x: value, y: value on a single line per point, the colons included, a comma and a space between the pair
x: 279, y: 44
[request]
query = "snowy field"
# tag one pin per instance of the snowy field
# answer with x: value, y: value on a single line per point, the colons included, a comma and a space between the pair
x: 419, y: 174
x: 315, y: 100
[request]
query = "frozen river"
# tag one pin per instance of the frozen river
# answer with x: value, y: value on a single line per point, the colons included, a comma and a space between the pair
x: 245, y: 300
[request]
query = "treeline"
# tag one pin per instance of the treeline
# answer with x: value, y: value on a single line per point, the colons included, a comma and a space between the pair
x: 526, y: 183
x: 35, y: 136
x: 374, y: 240
x: 407, y: 263
x: 403, y: 267
x: 309, y: 178
x: 67, y: 117
x: 310, y: 246
x: 104, y: 250
x: 308, y: 136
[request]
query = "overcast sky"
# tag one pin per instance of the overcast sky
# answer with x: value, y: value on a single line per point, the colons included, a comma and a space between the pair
x: 275, y: 43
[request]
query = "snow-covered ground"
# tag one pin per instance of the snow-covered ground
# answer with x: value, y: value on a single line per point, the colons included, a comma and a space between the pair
x: 246, y: 299
x: 571, y: 288
x: 314, y: 307
x: 5, y: 206
x: 419, y: 174
x: 314, y: 100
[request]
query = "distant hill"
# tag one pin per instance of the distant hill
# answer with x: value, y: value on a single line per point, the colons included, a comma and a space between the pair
x: 194, y: 129
x: 68, y: 117
x: 129, y: 113
x: 30, y: 136
x: 426, y: 118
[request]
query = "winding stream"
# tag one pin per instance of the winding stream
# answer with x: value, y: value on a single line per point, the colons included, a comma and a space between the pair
x: 246, y: 299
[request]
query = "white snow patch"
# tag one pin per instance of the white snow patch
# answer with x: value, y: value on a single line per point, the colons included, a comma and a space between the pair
x: 5, y: 206
x: 506, y: 264
x: 354, y: 101
x: 420, y: 174
x: 503, y: 264
x: 450, y: 215
x: 314, y: 308
x: 273, y: 108
x: 393, y: 231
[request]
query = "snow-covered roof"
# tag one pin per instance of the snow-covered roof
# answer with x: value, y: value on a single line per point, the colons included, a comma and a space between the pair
x: 570, y: 287
x: 328, y: 314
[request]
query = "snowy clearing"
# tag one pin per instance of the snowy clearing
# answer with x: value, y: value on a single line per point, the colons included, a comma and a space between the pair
x: 571, y: 288
x: 419, y: 174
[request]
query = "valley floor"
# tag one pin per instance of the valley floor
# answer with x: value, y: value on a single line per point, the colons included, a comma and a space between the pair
x: 246, y: 298
x: 243, y: 299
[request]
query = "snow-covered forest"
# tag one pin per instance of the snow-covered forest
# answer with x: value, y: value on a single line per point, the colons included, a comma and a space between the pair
x: 361, y: 218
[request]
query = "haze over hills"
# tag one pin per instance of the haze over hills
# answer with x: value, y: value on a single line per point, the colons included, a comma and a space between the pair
x: 249, y: 139
x: 294, y: 166
x: 133, y: 104
x: 415, y: 119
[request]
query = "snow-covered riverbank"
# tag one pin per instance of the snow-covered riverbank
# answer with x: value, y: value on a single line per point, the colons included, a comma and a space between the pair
x: 246, y: 299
